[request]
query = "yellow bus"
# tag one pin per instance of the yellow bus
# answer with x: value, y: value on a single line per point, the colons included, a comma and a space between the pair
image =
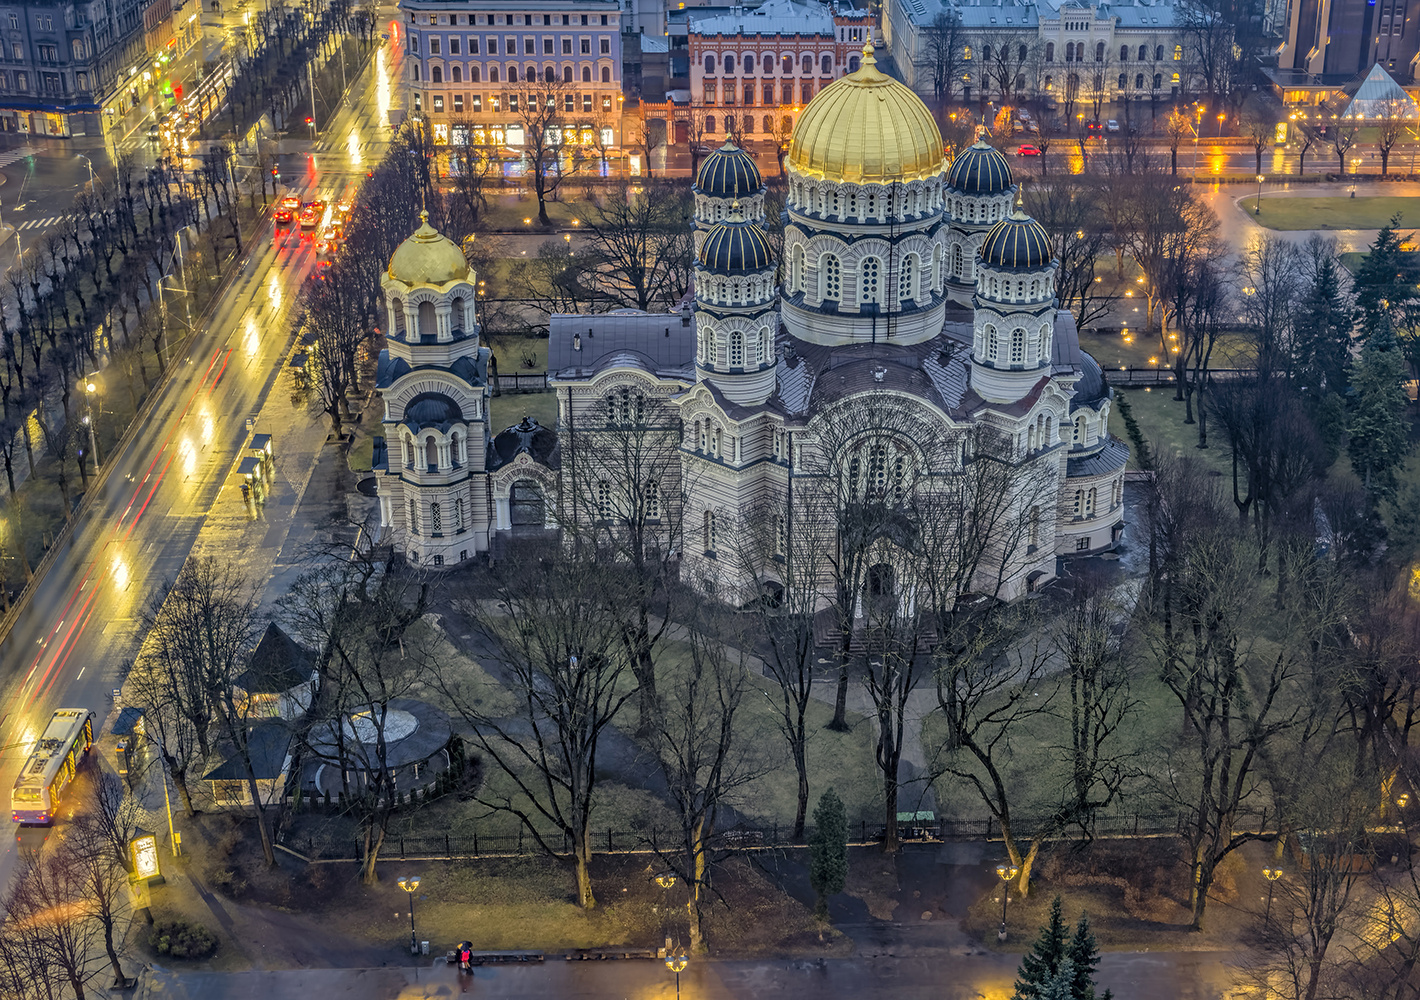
x: 51, y: 766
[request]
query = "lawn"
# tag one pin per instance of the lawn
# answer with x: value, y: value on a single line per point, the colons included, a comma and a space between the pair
x: 1287, y: 213
x: 508, y: 409
x: 518, y: 213
x: 518, y: 355
x: 1160, y: 419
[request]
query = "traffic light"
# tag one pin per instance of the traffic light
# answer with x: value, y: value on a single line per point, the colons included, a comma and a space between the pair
x: 309, y: 120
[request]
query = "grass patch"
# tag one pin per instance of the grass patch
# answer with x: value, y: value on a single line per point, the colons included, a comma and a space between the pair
x: 518, y: 213
x: 518, y: 355
x: 506, y: 410
x: 361, y: 456
x: 1286, y: 213
x: 1160, y: 419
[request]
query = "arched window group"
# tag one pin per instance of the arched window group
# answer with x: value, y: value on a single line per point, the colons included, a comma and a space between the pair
x: 879, y: 470
x: 869, y: 281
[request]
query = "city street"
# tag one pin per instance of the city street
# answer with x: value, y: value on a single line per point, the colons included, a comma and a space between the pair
x: 70, y: 645
x: 1186, y: 976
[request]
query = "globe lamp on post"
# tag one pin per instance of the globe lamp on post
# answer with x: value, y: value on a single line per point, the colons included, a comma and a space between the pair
x: 1257, y: 209
x: 1005, y: 872
x: 677, y: 964
x: 410, y: 884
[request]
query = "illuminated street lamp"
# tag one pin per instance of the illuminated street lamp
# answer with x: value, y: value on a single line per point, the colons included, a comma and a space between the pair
x: 411, y: 885
x: 677, y: 964
x: 1257, y: 210
x: 1355, y: 171
x: 1222, y: 117
x: 1272, y: 875
x: 90, y: 389
x: 1005, y: 872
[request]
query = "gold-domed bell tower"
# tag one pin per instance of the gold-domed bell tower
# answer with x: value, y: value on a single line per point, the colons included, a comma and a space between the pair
x: 433, y: 379
x: 1015, y: 310
x: 864, y: 247
x: 734, y: 310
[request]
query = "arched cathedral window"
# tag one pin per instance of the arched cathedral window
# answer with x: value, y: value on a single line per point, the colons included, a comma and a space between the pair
x: 737, y: 350
x: 907, y: 279
x: 956, y: 260
x: 990, y: 335
x: 869, y: 286
x: 831, y: 272
x: 1018, y: 346
x: 796, y: 268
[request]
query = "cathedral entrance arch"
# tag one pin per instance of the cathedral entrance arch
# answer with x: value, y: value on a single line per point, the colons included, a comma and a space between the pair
x: 527, y: 509
x: 882, y: 584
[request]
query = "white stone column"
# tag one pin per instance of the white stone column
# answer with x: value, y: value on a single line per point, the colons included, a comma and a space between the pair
x: 411, y: 322
x: 442, y: 315
x: 503, y: 515
x: 385, y: 518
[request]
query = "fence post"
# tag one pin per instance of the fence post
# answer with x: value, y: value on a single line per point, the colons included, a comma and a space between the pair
x: 520, y: 838
x: 401, y: 847
x: 776, y: 831
x: 475, y: 843
x: 447, y: 850
x: 863, y: 835
x: 608, y: 840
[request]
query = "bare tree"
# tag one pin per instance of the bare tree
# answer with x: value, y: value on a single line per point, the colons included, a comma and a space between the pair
x: 1178, y: 126
x: 944, y: 52
x: 52, y: 927
x: 1393, y: 118
x: 1073, y: 211
x: 703, y: 747
x: 639, y: 246
x: 201, y: 630
x: 1342, y: 138
x: 363, y: 614
x: 775, y: 544
x: 539, y: 111
x: 620, y: 503
x: 97, y: 849
x: 556, y: 636
x: 1236, y: 695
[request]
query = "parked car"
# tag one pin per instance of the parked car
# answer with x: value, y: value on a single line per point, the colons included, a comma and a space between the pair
x: 1111, y: 126
x: 1026, y: 149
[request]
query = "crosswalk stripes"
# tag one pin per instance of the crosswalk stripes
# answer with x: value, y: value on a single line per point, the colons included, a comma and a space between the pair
x: 42, y: 223
x: 10, y: 156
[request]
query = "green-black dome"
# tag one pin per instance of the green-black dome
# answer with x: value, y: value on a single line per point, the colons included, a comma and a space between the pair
x: 736, y: 247
x: 980, y: 169
x: 728, y: 172
x: 1019, y: 241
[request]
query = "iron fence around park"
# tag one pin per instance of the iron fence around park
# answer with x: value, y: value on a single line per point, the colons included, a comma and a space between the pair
x: 913, y: 828
x: 522, y: 382
x: 1154, y: 375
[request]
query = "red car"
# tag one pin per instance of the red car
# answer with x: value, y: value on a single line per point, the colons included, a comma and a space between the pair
x: 1026, y: 149
x: 286, y: 210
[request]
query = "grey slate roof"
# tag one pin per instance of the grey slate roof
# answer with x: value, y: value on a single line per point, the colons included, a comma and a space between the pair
x: 579, y: 345
x: 1065, y: 345
x: 1110, y: 458
x: 268, y: 743
x: 777, y: 17
x: 277, y: 664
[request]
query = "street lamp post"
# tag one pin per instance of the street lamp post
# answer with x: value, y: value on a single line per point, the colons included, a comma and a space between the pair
x: 1005, y: 872
x: 1222, y: 117
x: 90, y: 388
x: 410, y: 884
x: 677, y: 964
x: 1355, y: 172
x: 1257, y: 209
x: 1272, y: 875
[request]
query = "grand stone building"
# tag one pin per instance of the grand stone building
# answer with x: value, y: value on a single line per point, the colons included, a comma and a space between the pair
x: 909, y: 339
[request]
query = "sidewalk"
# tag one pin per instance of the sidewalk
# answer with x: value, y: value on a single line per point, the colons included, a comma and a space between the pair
x: 1132, y: 976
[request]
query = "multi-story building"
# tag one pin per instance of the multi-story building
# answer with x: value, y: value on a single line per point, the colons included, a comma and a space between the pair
x: 1079, y: 51
x: 470, y: 67
x: 62, y: 65
x: 1333, y: 41
x: 753, y: 69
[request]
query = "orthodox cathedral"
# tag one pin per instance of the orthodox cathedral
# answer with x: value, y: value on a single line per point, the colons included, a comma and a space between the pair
x: 905, y: 278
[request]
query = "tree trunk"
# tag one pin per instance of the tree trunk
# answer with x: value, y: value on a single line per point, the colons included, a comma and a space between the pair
x: 374, y: 841
x: 840, y: 700
x: 267, y: 851
x: 582, y: 856
x: 891, y: 845
x: 801, y: 766
x: 118, y: 976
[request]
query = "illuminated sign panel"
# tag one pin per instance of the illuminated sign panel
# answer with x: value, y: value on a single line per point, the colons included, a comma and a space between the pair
x: 145, y: 856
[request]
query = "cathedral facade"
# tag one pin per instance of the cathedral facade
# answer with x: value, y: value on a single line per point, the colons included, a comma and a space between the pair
x: 908, y: 338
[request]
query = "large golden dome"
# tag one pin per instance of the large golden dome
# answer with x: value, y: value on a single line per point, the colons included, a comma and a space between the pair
x: 428, y: 257
x: 866, y: 127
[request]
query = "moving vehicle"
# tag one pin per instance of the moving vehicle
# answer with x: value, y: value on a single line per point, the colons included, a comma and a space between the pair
x: 286, y: 209
x: 1111, y: 126
x: 1026, y: 149
x: 311, y: 214
x: 52, y: 765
